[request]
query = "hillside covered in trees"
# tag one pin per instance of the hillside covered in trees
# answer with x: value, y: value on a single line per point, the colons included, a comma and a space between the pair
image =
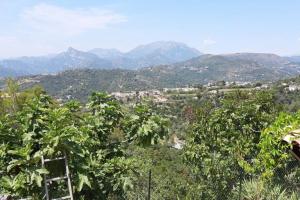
x: 205, y: 69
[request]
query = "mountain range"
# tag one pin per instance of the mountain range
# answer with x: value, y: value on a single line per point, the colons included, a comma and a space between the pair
x: 240, y: 67
x: 156, y: 65
x: 294, y: 58
x: 156, y: 53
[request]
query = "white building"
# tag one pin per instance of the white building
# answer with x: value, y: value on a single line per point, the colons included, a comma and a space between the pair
x: 293, y: 88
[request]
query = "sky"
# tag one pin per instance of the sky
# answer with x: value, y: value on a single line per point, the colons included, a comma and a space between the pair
x: 39, y: 27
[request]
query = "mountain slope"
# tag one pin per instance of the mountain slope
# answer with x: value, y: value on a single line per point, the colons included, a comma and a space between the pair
x: 74, y: 59
x: 156, y: 53
x: 80, y: 83
x: 70, y: 59
x: 147, y: 55
x: 106, y: 53
x: 200, y: 70
x: 294, y: 59
x: 7, y: 72
x: 232, y: 67
x: 163, y: 52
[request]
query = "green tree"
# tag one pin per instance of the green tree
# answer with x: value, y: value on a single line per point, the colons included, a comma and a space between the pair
x: 224, y: 139
x: 145, y: 126
x: 274, y: 161
x: 146, y: 129
x: 41, y: 127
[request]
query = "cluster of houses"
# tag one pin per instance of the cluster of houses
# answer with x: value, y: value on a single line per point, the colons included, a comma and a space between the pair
x: 155, y: 95
x: 185, y: 89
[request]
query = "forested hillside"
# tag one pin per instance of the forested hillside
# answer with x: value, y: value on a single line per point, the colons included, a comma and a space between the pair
x: 79, y: 84
x: 240, y: 68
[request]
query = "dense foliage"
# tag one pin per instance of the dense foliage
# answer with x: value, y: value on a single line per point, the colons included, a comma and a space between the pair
x: 227, y: 138
x: 90, y: 135
x: 233, y: 147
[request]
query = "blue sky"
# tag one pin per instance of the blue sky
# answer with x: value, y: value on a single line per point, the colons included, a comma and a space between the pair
x: 32, y: 27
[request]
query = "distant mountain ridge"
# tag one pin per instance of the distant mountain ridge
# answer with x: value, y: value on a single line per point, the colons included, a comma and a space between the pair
x: 70, y: 59
x: 243, y: 67
x: 151, y: 55
x: 107, y: 53
x: 294, y: 58
x: 156, y: 53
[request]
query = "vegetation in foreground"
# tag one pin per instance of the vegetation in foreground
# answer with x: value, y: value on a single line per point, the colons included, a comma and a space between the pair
x: 232, y: 151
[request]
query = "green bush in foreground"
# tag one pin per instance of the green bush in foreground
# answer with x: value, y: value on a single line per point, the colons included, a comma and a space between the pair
x: 100, y: 169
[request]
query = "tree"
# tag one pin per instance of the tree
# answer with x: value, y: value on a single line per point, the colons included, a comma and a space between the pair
x: 224, y: 140
x: 98, y: 162
x: 274, y: 161
x: 146, y: 128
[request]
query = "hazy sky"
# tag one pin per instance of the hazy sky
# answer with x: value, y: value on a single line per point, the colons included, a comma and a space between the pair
x: 32, y: 27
